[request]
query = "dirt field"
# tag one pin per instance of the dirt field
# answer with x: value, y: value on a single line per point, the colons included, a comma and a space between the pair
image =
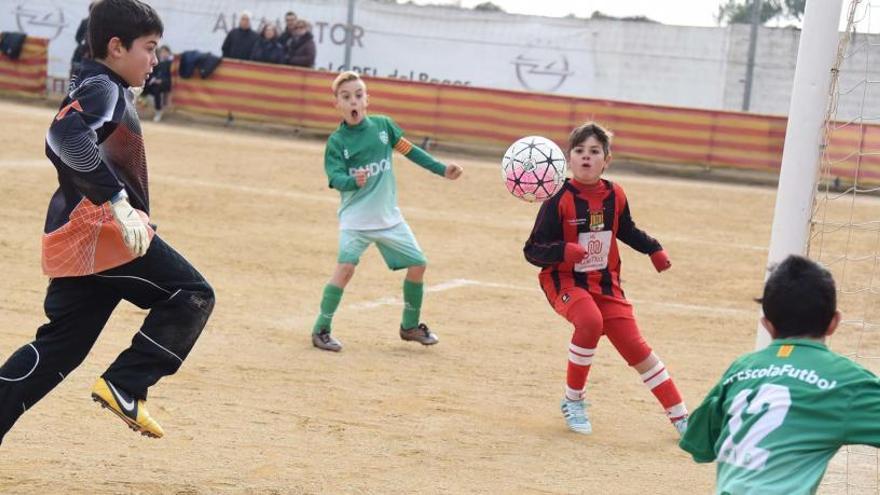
x: 257, y: 410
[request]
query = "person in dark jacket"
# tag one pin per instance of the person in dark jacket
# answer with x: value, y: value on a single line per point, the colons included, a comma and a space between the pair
x: 289, y: 25
x: 82, y: 45
x: 159, y: 84
x: 240, y: 41
x: 301, y: 50
x: 268, y: 49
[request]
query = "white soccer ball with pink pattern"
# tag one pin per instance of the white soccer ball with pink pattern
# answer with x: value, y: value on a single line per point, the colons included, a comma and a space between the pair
x: 533, y: 168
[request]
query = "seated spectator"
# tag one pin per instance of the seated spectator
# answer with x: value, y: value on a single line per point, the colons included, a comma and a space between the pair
x: 159, y: 84
x: 240, y: 41
x: 287, y: 35
x: 268, y: 49
x: 301, y: 51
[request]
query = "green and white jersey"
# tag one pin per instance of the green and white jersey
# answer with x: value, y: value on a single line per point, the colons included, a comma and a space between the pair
x: 778, y: 415
x: 369, y: 146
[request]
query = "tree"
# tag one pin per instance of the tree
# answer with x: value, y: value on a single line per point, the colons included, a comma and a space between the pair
x: 795, y: 8
x: 740, y: 11
x: 598, y: 15
x: 488, y: 7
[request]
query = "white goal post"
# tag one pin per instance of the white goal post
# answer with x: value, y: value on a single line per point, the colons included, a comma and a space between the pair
x: 817, y: 52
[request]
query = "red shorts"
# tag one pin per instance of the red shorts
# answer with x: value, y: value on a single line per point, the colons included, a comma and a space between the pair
x: 616, y: 315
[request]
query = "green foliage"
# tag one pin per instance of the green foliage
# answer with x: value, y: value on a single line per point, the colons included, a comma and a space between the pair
x: 488, y: 7
x: 634, y: 18
x: 740, y: 11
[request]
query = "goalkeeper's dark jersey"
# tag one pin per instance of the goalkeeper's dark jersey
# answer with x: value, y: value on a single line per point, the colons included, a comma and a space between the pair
x: 594, y: 216
x: 96, y: 145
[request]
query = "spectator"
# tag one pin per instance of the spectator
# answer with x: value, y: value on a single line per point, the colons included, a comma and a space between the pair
x: 240, y: 41
x: 287, y: 35
x: 268, y: 49
x: 82, y: 45
x: 301, y: 52
x: 159, y: 84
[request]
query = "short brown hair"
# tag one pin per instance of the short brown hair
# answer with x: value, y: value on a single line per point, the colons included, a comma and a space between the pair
x: 123, y: 19
x: 591, y: 129
x: 344, y: 77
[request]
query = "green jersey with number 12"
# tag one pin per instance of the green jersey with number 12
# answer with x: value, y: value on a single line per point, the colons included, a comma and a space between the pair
x: 778, y: 415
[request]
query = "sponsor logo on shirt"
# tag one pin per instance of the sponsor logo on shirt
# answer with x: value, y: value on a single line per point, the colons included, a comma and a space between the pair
x: 806, y: 376
x: 374, y: 168
x: 577, y: 221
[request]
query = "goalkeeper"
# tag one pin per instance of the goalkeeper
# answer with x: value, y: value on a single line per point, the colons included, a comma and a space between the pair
x: 778, y: 415
x: 98, y: 246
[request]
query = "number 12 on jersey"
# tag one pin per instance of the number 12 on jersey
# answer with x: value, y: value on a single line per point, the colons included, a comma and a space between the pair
x: 770, y: 405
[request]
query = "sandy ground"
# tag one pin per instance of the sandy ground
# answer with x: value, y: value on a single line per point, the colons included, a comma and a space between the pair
x: 257, y: 410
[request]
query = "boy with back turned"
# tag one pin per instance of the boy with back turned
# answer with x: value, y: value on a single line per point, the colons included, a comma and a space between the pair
x: 779, y: 414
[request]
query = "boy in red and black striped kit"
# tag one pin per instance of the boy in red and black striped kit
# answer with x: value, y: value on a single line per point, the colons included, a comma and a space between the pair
x: 574, y: 241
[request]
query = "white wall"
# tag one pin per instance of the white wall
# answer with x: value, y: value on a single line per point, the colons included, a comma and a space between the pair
x: 641, y: 62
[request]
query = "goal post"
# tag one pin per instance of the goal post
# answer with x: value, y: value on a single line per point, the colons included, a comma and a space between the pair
x: 808, y: 108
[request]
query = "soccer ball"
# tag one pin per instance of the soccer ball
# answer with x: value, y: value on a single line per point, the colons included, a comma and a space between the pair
x: 533, y: 168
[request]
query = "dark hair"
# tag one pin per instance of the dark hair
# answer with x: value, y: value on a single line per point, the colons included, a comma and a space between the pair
x: 585, y: 131
x: 266, y: 28
x: 123, y: 19
x: 800, y: 298
x: 290, y: 12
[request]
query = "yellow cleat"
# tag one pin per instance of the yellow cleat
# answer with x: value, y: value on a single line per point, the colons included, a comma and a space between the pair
x: 132, y: 411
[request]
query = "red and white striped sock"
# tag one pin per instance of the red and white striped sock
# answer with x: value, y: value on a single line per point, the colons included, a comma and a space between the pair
x: 579, y: 361
x: 660, y: 384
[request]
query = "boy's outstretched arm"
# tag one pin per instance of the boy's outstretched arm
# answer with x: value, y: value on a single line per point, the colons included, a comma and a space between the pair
x: 861, y: 425
x: 425, y: 160
x: 639, y: 240
x: 704, y: 427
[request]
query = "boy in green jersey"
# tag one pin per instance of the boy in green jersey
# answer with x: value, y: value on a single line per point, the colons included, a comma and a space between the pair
x: 778, y: 415
x: 357, y: 160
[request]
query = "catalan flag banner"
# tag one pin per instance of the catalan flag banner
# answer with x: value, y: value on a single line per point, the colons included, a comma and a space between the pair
x: 495, y: 118
x: 26, y: 76
x: 853, y: 153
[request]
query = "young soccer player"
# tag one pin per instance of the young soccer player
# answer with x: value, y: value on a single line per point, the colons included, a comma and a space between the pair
x: 357, y: 160
x: 778, y: 415
x: 99, y: 247
x: 574, y: 241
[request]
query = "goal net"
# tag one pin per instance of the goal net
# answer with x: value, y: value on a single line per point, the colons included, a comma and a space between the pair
x: 845, y: 222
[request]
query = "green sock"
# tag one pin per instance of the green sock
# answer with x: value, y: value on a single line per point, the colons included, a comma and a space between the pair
x: 329, y: 303
x: 412, y: 303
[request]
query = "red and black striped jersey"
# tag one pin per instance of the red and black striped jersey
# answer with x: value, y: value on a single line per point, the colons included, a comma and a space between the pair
x: 595, y: 216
